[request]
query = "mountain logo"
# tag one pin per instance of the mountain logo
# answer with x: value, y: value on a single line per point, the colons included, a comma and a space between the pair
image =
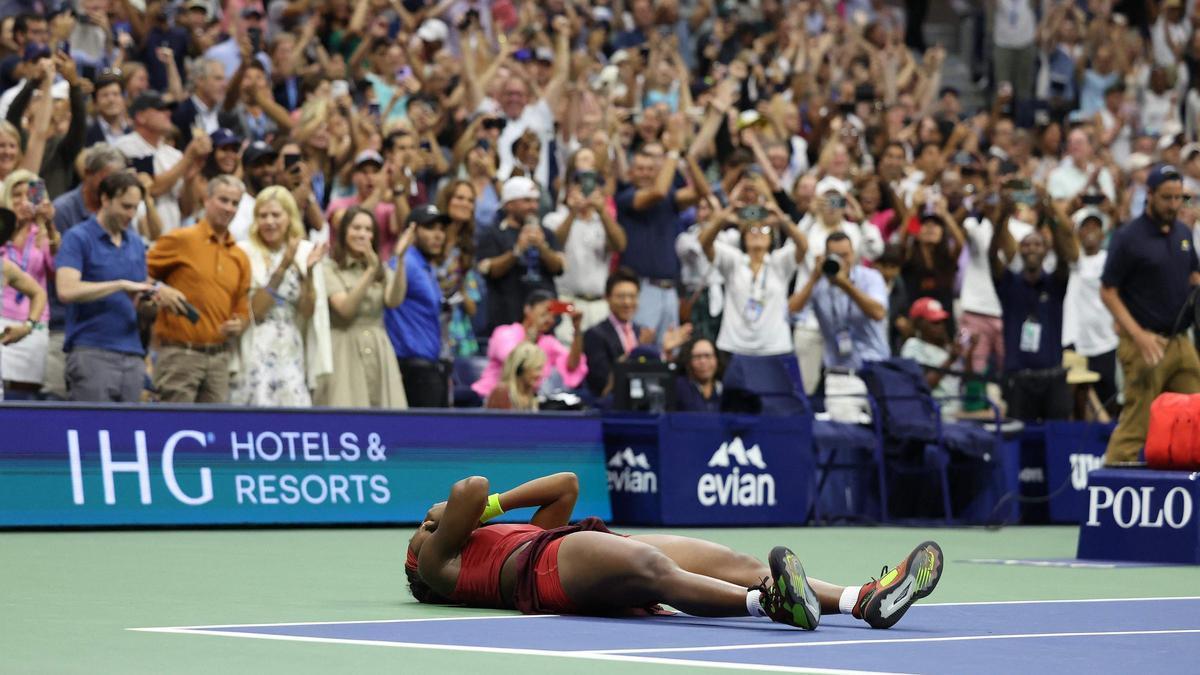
x: 630, y: 472
x: 732, y: 486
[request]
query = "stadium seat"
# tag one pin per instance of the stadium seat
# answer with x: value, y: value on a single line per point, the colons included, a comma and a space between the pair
x: 775, y: 383
x: 467, y: 371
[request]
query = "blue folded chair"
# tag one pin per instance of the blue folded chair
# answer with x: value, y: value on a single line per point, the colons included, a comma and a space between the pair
x: 913, y: 427
x: 778, y: 389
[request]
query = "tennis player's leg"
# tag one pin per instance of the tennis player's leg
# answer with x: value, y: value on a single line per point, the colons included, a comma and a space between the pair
x: 721, y: 562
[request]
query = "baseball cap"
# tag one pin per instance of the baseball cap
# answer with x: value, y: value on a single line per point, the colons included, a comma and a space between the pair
x: 424, y: 216
x: 1190, y: 150
x: 222, y: 137
x: 1083, y: 215
x: 1139, y: 161
x: 148, y: 100
x: 368, y: 156
x: 519, y: 187
x: 256, y: 152
x: 928, y: 309
x: 1161, y: 174
x: 433, y: 30
x: 198, y: 4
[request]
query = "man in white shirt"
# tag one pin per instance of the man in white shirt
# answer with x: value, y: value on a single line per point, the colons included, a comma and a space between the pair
x: 1087, y: 323
x: 1015, y: 54
x: 1077, y: 174
x: 149, y: 153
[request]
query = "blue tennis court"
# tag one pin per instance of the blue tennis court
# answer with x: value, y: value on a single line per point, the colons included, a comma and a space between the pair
x: 1160, y: 635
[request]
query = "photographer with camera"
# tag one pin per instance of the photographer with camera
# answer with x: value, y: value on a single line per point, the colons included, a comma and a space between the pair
x: 756, y: 277
x: 850, y: 302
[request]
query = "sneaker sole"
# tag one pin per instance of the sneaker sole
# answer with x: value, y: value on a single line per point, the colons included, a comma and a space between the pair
x: 922, y: 571
x: 785, y: 564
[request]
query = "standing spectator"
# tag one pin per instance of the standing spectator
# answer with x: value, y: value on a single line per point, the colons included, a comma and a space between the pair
x: 704, y: 294
x: 649, y: 210
x: 698, y: 388
x: 415, y: 327
x: 149, y: 152
x: 589, y: 236
x: 1031, y: 302
x: 456, y: 271
x: 518, y: 256
x: 13, y: 277
x: 365, y: 373
x: 31, y: 247
x: 204, y: 110
x: 1079, y: 174
x: 931, y: 257
x: 204, y: 263
x: 519, y: 381
x: 1014, y: 53
x: 1150, y: 272
x: 286, y: 299
x: 899, y: 327
x: 101, y: 277
x: 756, y: 279
x: 564, y: 369
x: 850, y: 301
x: 1087, y: 325
x: 56, y: 146
x: 612, y: 341
x: 112, y: 112
x: 373, y: 191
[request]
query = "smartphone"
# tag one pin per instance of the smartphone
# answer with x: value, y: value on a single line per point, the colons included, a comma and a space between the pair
x: 836, y: 201
x: 403, y: 73
x: 587, y: 181
x: 523, y: 55
x: 291, y: 161
x: 484, y: 144
x: 64, y: 47
x: 255, y: 35
x: 37, y: 192
x: 753, y: 212
x: 424, y: 145
x: 561, y: 307
x: 190, y: 311
x: 373, y: 109
x: 1092, y: 200
x: 143, y: 164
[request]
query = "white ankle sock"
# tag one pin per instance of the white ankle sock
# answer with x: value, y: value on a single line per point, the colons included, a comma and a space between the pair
x: 848, y: 599
x: 753, y: 605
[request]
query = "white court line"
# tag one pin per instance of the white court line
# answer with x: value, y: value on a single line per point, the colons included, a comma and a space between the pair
x: 585, y: 655
x: 1049, y: 602
x: 839, y: 643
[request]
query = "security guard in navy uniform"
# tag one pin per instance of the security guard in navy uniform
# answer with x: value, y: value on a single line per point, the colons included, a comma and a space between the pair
x: 1147, y: 286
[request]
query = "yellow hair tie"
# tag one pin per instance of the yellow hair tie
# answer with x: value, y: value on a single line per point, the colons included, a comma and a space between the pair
x: 493, y: 508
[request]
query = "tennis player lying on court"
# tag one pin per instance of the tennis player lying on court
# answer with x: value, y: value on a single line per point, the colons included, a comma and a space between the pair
x: 549, y: 567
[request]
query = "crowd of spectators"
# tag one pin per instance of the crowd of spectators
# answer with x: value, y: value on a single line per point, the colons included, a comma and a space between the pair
x: 297, y: 203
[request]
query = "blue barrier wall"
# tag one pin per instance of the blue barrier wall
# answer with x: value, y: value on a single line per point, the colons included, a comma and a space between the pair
x: 197, y: 465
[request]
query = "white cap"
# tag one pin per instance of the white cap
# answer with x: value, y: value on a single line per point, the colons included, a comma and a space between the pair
x: 519, y: 187
x: 433, y: 30
x: 832, y: 184
x: 1089, y: 212
x: 1139, y: 160
x: 1189, y: 150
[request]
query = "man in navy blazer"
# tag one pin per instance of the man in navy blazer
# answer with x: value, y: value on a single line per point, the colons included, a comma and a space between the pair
x: 614, y: 339
x: 204, y: 109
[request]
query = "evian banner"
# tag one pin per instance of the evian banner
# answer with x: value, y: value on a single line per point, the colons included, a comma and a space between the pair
x: 692, y: 469
x: 157, y: 465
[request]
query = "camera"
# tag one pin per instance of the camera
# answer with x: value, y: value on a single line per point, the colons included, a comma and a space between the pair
x: 1093, y: 199
x: 587, y: 182
x: 753, y: 212
x: 832, y: 265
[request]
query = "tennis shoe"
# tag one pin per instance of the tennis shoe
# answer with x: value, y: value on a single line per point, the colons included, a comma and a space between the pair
x: 884, y: 601
x: 789, y: 599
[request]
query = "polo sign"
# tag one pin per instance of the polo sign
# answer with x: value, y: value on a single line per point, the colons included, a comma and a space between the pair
x: 1147, y: 516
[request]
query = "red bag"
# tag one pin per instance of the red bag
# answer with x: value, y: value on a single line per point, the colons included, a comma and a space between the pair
x: 1173, y: 439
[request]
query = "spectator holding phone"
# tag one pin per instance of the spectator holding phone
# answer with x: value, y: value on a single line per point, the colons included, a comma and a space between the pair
x: 415, y: 327
x: 756, y: 277
x: 564, y: 369
x: 52, y: 147
x: 932, y: 242
x: 293, y: 172
x: 373, y: 180
x: 286, y: 347
x: 31, y: 248
x: 589, y: 235
x: 205, y: 264
x: 101, y: 277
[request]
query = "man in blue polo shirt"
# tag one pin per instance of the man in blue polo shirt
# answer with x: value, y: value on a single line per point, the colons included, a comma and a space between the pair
x: 1146, y: 284
x: 102, y: 280
x: 415, y: 327
x: 649, y: 211
x: 1031, y: 304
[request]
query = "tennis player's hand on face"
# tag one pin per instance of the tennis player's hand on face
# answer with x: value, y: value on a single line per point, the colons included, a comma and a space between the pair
x: 435, y: 512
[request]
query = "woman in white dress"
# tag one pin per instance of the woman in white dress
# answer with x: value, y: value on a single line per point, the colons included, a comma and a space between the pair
x: 287, y: 305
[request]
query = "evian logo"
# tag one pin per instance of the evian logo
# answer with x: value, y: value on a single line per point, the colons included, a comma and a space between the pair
x: 736, y: 487
x: 631, y: 473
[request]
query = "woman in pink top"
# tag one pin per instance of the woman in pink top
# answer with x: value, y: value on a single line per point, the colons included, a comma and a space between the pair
x: 565, y: 368
x: 31, y: 248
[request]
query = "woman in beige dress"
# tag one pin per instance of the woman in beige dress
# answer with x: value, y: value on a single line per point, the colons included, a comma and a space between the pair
x: 365, y: 372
